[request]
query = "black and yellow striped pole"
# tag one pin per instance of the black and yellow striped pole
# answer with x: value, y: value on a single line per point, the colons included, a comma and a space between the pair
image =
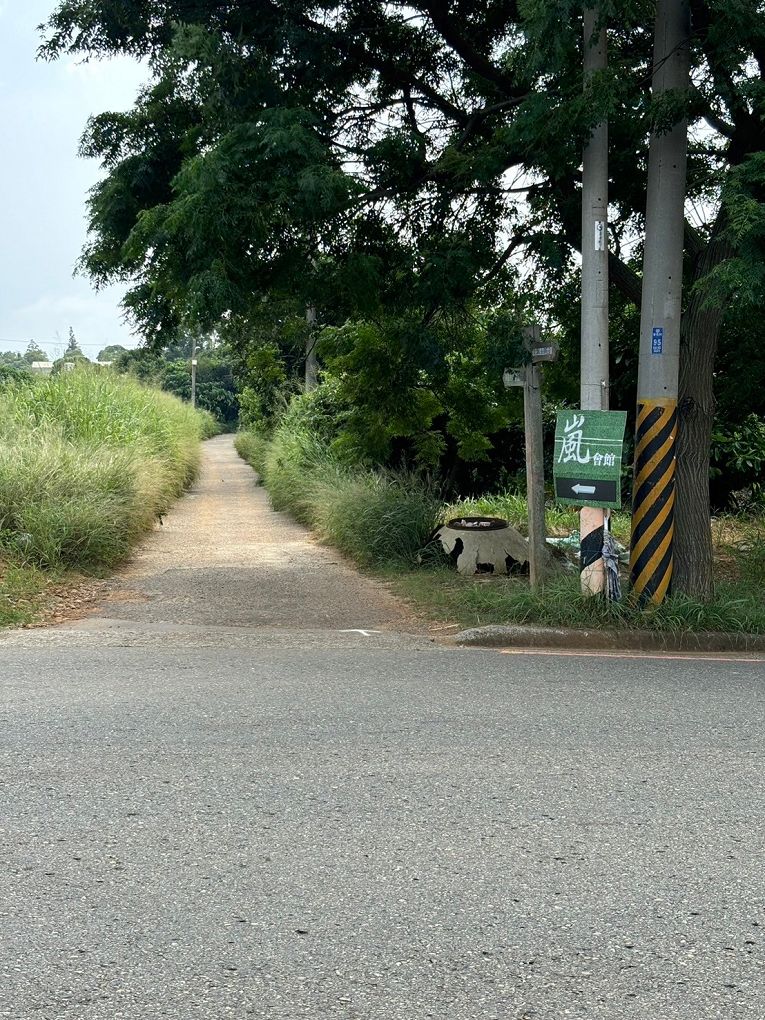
x: 653, y: 492
x: 653, y: 500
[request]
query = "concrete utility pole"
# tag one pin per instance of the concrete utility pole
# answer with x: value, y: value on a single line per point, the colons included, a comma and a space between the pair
x: 535, y: 479
x: 653, y: 497
x: 594, y: 394
x: 311, y: 361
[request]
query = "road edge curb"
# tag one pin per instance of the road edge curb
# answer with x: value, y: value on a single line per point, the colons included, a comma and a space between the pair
x: 495, y: 636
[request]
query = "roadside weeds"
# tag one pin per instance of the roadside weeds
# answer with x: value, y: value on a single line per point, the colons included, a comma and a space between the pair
x: 343, y: 505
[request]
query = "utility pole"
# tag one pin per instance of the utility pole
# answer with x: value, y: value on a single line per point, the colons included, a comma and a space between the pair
x: 535, y: 479
x: 653, y: 492
x: 311, y: 361
x: 594, y: 386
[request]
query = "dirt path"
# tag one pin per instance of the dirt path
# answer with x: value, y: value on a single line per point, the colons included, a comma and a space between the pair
x: 223, y: 557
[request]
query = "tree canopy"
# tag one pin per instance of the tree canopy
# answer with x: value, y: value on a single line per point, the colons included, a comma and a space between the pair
x: 389, y: 159
x: 34, y: 353
x: 111, y: 352
x: 449, y: 135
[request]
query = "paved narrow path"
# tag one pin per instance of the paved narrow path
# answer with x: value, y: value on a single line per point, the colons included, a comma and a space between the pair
x: 220, y: 800
x: 222, y: 558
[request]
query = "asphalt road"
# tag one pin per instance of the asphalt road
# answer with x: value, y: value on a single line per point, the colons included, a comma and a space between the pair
x: 324, y: 825
x: 287, y: 818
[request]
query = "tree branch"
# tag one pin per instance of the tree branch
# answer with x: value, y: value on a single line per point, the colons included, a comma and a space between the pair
x: 517, y: 242
x: 715, y: 122
x: 476, y: 61
x: 625, y: 279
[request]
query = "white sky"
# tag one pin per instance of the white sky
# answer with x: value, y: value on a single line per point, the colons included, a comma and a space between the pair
x: 44, y: 184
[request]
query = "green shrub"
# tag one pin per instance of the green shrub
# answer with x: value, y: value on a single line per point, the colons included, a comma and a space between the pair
x: 375, y: 518
x: 251, y: 447
x: 208, y: 424
x: 740, y: 455
x: 423, y: 395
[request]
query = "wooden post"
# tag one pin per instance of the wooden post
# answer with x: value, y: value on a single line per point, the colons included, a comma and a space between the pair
x: 535, y: 479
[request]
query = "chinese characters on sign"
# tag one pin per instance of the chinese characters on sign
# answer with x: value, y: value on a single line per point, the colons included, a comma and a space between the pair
x: 588, y: 457
x: 571, y: 448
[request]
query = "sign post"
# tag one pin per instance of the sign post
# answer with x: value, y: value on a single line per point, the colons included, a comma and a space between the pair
x: 529, y: 377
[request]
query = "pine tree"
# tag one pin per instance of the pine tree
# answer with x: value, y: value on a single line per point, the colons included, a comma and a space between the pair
x: 72, y: 351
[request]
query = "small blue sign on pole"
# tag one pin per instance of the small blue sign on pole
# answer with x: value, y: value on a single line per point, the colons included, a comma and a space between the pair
x: 657, y: 340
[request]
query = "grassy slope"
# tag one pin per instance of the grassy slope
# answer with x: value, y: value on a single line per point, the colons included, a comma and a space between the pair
x: 88, y: 459
x: 22, y: 589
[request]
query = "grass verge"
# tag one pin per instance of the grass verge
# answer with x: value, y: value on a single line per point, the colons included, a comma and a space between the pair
x: 22, y: 593
x: 88, y: 460
x: 383, y: 521
x: 442, y: 594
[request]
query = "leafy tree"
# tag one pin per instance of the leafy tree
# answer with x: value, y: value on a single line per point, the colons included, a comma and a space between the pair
x: 13, y: 368
x: 111, y: 352
x: 34, y: 353
x: 400, y: 155
x: 267, y: 347
x: 13, y: 359
x: 143, y: 363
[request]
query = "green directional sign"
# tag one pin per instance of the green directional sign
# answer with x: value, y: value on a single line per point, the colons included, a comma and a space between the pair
x: 587, y: 464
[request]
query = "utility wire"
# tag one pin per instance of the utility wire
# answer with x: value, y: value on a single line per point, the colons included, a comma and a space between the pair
x: 59, y: 343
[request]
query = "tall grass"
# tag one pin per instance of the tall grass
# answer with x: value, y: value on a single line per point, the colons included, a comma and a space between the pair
x: 21, y: 588
x: 383, y: 520
x: 374, y: 517
x: 252, y: 448
x: 88, y: 459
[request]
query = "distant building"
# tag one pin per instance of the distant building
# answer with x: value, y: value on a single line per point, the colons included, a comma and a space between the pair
x: 42, y: 367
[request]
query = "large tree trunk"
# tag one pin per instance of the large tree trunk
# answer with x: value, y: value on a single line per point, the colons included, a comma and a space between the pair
x: 696, y: 404
x: 311, y: 361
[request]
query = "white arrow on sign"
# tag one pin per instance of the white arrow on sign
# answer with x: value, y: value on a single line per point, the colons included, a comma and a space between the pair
x: 583, y: 490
